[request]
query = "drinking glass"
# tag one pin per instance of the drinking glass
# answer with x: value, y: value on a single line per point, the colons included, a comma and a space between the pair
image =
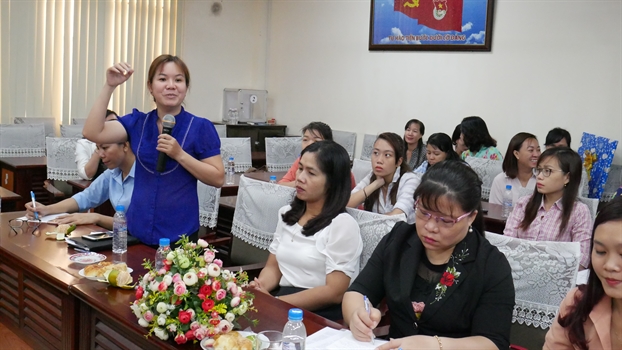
x: 269, y: 340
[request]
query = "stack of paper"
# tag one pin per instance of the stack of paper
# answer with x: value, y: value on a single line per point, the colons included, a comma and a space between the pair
x: 333, y: 339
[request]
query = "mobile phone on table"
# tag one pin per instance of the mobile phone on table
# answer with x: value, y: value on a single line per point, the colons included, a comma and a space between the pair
x: 98, y: 236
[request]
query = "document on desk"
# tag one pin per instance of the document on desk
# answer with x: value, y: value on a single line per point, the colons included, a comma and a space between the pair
x: 333, y: 339
x: 45, y: 219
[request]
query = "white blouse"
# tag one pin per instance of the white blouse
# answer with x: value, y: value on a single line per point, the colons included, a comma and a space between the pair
x: 497, y: 189
x: 305, y: 261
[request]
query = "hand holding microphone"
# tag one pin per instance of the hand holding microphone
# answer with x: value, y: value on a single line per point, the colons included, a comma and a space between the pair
x: 168, y: 122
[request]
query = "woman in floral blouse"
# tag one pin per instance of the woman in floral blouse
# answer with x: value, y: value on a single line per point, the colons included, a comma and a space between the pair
x: 445, y: 285
x: 477, y: 139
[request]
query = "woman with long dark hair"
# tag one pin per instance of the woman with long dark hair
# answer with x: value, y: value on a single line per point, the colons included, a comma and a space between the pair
x: 445, y: 285
x: 590, y: 317
x: 553, y: 212
x: 520, y: 159
x: 315, y: 252
x: 389, y: 187
x: 438, y: 149
x: 413, y: 143
x: 477, y: 139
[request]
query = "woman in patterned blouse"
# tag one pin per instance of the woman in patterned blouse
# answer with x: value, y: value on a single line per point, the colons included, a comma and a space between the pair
x: 477, y: 139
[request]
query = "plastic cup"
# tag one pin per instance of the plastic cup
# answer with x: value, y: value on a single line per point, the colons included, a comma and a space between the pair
x: 269, y: 340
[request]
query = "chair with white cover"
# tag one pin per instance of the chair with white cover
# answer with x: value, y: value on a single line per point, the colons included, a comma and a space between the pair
x: 221, y: 129
x: 543, y: 273
x: 78, y: 121
x: 22, y: 140
x: 346, y: 139
x: 61, y: 158
x: 360, y: 169
x: 368, y: 146
x: 486, y: 169
x: 522, y: 192
x: 240, y: 149
x: 282, y: 152
x: 208, y: 204
x: 71, y: 131
x: 255, y: 218
x: 373, y: 227
x: 592, y: 204
x: 614, y: 181
x: 48, y: 122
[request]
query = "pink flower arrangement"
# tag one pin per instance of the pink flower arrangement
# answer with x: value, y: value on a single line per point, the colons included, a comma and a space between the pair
x: 193, y: 298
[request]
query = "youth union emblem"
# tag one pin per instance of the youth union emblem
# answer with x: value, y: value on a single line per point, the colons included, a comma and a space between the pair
x: 440, y: 9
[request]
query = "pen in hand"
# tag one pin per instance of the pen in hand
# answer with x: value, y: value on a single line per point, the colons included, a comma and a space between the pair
x: 34, y: 206
x: 368, y: 310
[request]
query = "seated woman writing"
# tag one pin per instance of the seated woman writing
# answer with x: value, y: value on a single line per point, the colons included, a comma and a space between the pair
x: 445, y: 285
x: 317, y: 245
x: 115, y: 184
x: 389, y: 187
x: 553, y: 212
x: 590, y: 317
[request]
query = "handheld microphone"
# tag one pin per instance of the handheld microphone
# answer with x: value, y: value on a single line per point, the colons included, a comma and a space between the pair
x: 168, y: 122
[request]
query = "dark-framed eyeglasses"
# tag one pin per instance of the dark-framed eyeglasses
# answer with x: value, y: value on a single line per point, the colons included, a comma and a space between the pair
x: 546, y: 172
x: 441, y: 221
x: 17, y: 225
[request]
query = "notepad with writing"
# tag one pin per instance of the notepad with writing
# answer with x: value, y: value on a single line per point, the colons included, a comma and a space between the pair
x: 333, y: 339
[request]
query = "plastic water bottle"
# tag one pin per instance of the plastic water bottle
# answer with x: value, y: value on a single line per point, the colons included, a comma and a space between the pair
x: 294, y: 333
x: 162, y: 252
x: 119, y: 229
x: 230, y: 172
x: 507, y: 201
x: 272, y: 179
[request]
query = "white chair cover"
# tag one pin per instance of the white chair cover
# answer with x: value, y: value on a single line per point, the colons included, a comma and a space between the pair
x: 347, y: 139
x: 373, y: 227
x: 240, y: 149
x: 543, y: 273
x: 78, y: 121
x: 360, y: 169
x: 221, y: 129
x: 71, y: 131
x: 256, y: 210
x: 48, y: 122
x: 208, y: 204
x: 614, y: 181
x: 522, y: 192
x: 486, y: 169
x: 592, y: 204
x: 282, y: 152
x: 584, y: 186
x: 61, y: 158
x: 22, y: 140
x: 368, y: 146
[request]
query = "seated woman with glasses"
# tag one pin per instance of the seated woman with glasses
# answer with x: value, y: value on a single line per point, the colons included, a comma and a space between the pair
x: 389, y: 187
x: 590, y: 317
x: 520, y: 159
x: 553, y: 212
x: 317, y: 245
x: 115, y: 184
x: 438, y: 149
x: 445, y: 285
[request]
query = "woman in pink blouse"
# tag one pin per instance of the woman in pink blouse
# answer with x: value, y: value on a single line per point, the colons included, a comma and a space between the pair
x: 553, y: 213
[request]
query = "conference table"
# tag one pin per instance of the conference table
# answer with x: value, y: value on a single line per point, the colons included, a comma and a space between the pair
x: 8, y: 200
x: 24, y: 174
x: 493, y: 220
x: 49, y: 305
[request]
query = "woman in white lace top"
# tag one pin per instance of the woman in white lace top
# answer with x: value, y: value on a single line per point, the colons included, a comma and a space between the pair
x: 87, y: 160
x: 316, y: 249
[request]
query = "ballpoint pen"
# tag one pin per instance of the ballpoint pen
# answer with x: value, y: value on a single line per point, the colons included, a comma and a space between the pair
x: 366, y: 301
x: 34, y: 207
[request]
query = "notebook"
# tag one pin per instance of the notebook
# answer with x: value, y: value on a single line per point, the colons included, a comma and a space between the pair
x: 96, y: 246
x: 332, y: 339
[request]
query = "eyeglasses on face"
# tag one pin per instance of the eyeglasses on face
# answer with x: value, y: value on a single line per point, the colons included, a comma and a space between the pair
x: 18, y: 224
x: 441, y: 221
x: 546, y: 172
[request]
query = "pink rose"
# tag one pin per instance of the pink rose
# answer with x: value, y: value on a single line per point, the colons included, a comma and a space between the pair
x: 225, y: 326
x: 162, y: 271
x: 148, y: 316
x: 215, y: 315
x: 218, y: 262
x: 200, y: 333
x: 195, y: 325
x: 209, y: 256
x: 233, y: 288
x: 192, y: 313
x: 181, y: 338
x: 162, y: 286
x: 179, y: 288
x: 202, y: 273
x: 221, y: 294
x: 177, y: 278
x: 216, y: 285
x: 418, y: 307
x: 235, y: 301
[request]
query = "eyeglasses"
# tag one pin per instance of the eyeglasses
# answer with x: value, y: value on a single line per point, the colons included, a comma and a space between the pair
x: 546, y: 172
x: 441, y: 221
x: 18, y: 224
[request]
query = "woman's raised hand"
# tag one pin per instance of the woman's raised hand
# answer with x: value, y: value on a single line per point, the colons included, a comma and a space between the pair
x: 118, y: 74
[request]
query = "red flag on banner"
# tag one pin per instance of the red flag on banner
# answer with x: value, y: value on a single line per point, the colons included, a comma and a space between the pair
x: 436, y: 14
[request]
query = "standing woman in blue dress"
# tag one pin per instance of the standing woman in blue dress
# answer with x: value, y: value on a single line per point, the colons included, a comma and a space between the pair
x: 165, y: 204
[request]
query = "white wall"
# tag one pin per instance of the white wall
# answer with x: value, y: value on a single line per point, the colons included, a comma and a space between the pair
x: 552, y: 64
